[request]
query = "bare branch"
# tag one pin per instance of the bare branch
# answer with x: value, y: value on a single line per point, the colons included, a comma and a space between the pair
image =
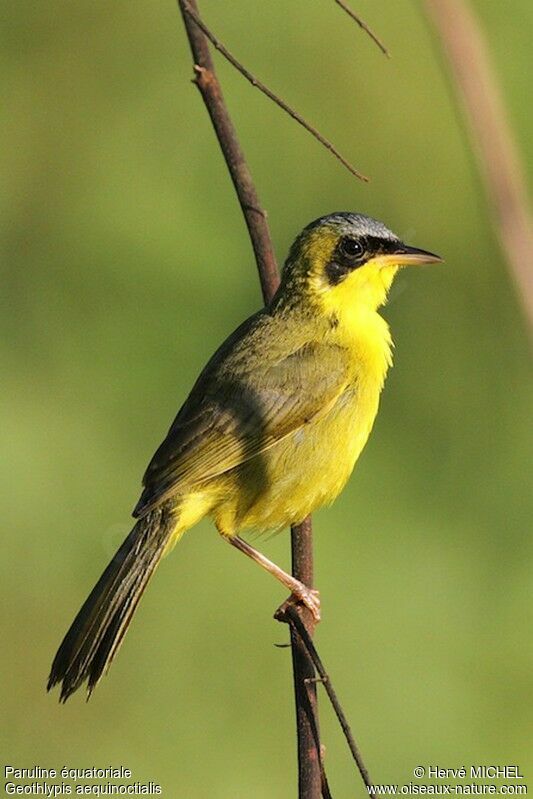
x: 254, y: 215
x: 492, y: 138
x: 289, y: 614
x: 188, y: 10
x: 362, y: 24
x: 309, y: 752
x: 312, y: 781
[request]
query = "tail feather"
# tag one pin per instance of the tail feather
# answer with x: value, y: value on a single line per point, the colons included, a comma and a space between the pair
x: 96, y: 633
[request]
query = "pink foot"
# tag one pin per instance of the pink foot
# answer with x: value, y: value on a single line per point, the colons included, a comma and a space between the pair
x: 302, y: 595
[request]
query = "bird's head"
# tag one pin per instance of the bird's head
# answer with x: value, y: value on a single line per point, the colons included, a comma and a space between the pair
x: 347, y: 259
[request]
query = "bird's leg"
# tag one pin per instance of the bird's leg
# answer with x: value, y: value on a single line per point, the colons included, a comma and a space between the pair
x: 309, y: 596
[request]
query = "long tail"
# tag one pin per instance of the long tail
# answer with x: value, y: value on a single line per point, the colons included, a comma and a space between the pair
x: 97, y: 631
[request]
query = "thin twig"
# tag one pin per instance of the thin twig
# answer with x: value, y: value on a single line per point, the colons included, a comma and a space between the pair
x: 187, y: 8
x: 210, y: 89
x: 362, y: 24
x: 326, y: 793
x: 492, y: 138
x: 291, y: 615
x: 309, y: 704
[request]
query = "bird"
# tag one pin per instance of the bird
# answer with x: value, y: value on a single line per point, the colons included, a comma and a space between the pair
x: 270, y: 431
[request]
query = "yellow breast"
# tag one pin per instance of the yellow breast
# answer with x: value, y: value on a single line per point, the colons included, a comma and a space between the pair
x: 312, y: 465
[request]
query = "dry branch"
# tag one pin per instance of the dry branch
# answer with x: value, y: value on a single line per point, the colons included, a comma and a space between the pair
x: 310, y: 771
x: 312, y: 780
x: 362, y: 24
x: 189, y: 10
x: 290, y: 616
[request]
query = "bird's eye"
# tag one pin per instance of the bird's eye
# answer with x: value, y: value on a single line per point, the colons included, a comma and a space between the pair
x: 353, y: 248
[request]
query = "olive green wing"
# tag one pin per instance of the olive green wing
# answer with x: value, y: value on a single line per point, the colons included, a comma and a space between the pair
x: 231, y: 417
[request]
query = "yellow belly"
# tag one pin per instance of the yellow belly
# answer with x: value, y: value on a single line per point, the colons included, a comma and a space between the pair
x: 303, y: 472
x: 310, y: 467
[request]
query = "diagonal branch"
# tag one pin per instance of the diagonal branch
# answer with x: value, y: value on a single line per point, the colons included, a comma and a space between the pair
x: 189, y: 11
x: 255, y: 217
x: 289, y: 614
x: 362, y: 24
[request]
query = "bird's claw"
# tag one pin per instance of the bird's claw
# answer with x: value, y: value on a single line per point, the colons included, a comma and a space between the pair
x: 302, y: 595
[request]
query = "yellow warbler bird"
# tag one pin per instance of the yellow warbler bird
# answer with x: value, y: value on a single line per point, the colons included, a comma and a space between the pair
x: 270, y: 431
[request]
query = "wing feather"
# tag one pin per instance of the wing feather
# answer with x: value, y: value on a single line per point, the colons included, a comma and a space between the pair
x: 234, y: 414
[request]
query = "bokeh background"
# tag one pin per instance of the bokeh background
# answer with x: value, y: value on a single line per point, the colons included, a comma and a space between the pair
x: 125, y: 262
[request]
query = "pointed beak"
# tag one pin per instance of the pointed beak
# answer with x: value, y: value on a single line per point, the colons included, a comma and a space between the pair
x: 404, y: 255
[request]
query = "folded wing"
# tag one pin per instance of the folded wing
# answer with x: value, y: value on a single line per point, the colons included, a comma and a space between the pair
x: 233, y: 414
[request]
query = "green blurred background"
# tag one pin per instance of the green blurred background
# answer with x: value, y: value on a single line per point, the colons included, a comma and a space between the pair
x: 125, y: 263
